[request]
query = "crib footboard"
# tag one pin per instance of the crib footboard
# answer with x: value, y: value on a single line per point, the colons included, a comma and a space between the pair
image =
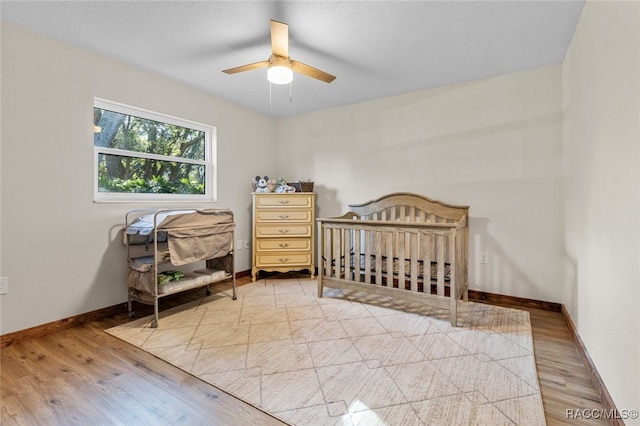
x: 419, y: 261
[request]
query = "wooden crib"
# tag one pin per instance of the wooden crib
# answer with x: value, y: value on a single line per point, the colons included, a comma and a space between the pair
x: 402, y: 245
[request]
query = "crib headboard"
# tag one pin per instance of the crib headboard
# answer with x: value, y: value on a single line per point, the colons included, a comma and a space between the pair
x: 408, y: 207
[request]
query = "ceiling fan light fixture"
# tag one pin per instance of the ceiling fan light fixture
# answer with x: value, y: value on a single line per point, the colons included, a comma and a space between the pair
x: 280, y: 74
x: 279, y: 71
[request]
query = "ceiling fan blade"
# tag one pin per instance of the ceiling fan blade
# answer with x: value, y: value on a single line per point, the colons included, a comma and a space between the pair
x: 248, y: 67
x: 280, y: 39
x: 311, y: 71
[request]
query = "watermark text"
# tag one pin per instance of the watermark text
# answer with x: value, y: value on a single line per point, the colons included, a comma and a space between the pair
x: 600, y: 413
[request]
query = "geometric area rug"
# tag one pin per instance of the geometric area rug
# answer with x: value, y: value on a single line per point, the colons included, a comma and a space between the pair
x: 351, y: 358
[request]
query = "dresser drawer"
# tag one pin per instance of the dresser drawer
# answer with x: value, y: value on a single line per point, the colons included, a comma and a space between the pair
x: 283, y: 259
x: 265, y: 230
x: 280, y: 215
x: 284, y: 200
x: 284, y: 244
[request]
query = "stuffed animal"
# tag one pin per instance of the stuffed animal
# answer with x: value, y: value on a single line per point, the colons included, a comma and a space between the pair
x: 283, y: 188
x: 261, y: 184
x: 272, y: 185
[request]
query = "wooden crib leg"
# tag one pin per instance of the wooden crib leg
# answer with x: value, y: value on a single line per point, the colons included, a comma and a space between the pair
x: 454, y: 311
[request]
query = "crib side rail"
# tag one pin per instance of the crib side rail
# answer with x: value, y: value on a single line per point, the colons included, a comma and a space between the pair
x: 417, y: 256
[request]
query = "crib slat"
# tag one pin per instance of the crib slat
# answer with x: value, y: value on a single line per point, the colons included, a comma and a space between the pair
x: 331, y: 266
x: 346, y: 252
x: 407, y: 241
x: 401, y: 258
x: 389, y: 251
x: 357, y: 257
x: 367, y: 256
x: 441, y: 241
x: 377, y: 251
x: 327, y: 252
x: 414, y: 261
x: 426, y: 263
x: 336, y: 252
x: 341, y: 244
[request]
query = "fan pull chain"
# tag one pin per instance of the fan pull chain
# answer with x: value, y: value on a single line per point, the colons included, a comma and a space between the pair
x: 290, y: 95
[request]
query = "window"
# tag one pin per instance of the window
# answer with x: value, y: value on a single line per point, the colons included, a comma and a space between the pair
x: 140, y: 155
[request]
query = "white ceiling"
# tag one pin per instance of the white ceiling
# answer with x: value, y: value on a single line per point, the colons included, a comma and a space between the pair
x: 375, y: 48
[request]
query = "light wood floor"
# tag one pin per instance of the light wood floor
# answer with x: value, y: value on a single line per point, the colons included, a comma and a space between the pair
x: 564, y: 381
x: 83, y: 376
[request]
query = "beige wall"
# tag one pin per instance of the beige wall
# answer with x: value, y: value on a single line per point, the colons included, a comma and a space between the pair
x: 602, y: 192
x: 61, y: 251
x: 494, y: 144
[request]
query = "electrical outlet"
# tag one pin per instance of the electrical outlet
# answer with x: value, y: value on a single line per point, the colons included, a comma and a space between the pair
x: 484, y: 257
x: 4, y: 285
x: 246, y: 244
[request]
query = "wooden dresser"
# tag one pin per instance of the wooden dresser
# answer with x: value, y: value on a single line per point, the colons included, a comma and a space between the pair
x: 283, y: 232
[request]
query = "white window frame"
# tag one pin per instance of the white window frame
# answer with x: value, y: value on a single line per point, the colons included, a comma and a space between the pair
x: 209, y: 162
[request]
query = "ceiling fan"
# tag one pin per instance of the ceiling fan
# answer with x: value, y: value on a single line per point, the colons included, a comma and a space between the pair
x: 281, y: 66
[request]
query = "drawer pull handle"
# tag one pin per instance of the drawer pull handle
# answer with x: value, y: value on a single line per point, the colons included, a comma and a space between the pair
x: 283, y: 201
x: 283, y: 231
x: 284, y: 259
x: 283, y: 245
x: 284, y: 216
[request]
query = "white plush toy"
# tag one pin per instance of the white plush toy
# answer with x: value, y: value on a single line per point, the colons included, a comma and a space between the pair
x: 261, y: 184
x: 285, y: 189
